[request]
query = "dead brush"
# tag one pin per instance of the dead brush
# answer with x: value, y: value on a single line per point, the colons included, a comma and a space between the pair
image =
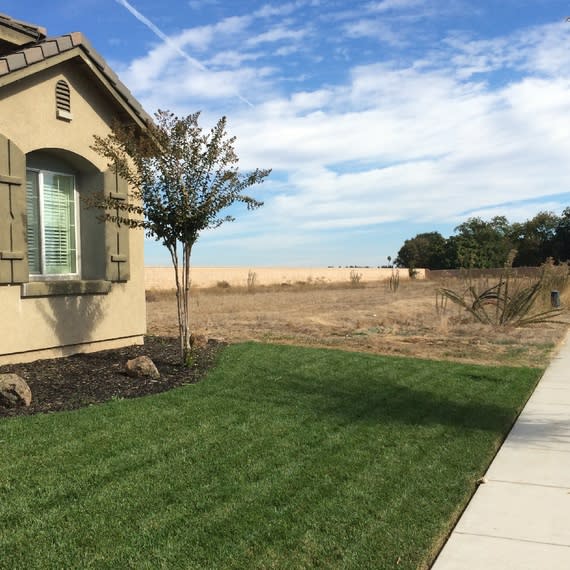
x: 441, y: 302
x: 158, y: 295
x: 510, y: 302
x: 394, y: 281
x: 555, y: 278
x: 355, y: 278
x: 251, y: 281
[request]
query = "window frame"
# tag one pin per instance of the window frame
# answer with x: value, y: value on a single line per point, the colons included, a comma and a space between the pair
x: 43, y: 276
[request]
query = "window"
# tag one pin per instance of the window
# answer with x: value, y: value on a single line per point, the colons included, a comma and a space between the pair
x: 52, y: 224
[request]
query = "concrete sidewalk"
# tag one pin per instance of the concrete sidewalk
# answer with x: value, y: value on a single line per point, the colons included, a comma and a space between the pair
x: 520, y: 518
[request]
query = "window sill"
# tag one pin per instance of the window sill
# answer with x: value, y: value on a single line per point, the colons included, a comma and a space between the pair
x: 52, y: 288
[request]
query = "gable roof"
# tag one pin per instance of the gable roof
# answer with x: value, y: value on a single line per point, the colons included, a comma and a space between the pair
x: 17, y: 33
x: 41, y: 52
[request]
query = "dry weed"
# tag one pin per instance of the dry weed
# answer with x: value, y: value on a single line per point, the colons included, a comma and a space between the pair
x: 369, y: 318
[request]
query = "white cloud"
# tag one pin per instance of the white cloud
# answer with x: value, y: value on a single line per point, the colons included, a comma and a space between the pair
x: 201, y: 38
x: 228, y: 52
x: 419, y: 140
x: 277, y: 34
x: 543, y: 49
x: 285, y: 51
x: 387, y: 5
x: 376, y: 29
x: 198, y: 4
x: 270, y: 10
x: 232, y: 59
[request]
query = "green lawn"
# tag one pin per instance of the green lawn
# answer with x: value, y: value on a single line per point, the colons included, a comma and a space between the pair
x: 283, y: 457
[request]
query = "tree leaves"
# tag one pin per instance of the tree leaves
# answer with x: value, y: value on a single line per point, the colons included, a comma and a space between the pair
x: 486, y: 244
x: 181, y: 180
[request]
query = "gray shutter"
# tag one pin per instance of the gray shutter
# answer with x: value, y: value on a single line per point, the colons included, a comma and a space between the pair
x: 13, y: 245
x: 117, y: 234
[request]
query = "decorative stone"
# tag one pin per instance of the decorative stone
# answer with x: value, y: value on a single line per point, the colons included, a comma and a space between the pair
x: 14, y: 391
x: 142, y: 367
x: 198, y: 340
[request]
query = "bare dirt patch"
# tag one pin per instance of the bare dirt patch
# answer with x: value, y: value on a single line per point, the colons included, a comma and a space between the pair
x: 369, y: 319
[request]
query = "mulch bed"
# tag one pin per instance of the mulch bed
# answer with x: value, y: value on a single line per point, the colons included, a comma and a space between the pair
x: 84, y: 379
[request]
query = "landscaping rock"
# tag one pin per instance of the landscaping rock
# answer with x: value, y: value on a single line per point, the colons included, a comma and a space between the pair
x: 142, y: 366
x: 14, y: 391
x: 198, y: 340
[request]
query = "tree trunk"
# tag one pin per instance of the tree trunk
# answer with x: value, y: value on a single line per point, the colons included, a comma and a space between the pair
x: 182, y: 277
x: 185, y: 320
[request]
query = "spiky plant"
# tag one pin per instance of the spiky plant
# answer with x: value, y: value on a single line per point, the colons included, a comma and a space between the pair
x: 505, y: 303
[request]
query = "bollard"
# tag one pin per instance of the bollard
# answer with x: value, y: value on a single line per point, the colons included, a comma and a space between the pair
x: 555, y: 299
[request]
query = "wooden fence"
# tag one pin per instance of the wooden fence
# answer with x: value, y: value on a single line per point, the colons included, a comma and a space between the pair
x: 442, y: 274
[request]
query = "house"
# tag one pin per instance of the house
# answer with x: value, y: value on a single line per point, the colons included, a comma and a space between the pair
x: 68, y: 283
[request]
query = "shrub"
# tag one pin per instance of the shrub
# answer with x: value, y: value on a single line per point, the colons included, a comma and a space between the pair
x: 251, y: 281
x: 157, y: 295
x: 508, y: 302
x: 394, y: 281
x: 355, y: 278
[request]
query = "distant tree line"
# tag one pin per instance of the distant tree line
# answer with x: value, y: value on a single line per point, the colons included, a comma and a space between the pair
x: 486, y: 244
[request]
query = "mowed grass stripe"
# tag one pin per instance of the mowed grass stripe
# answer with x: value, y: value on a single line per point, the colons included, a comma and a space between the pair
x: 284, y: 457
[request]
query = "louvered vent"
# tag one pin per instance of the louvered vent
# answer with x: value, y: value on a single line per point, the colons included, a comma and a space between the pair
x: 63, y: 100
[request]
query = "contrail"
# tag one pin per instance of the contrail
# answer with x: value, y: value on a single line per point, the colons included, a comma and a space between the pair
x: 166, y: 39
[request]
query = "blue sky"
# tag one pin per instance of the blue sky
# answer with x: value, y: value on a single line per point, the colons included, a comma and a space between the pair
x: 380, y: 118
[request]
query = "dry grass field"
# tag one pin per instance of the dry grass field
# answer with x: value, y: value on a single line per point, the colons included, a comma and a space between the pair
x: 370, y: 318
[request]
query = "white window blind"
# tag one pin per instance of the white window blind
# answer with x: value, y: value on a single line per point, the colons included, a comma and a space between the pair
x: 34, y: 227
x: 52, y: 247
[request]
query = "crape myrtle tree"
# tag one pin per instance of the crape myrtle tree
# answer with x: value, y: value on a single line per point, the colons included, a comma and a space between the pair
x: 181, y: 180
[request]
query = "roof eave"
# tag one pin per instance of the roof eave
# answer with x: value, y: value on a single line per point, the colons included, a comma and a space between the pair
x: 96, y: 64
x: 19, y: 33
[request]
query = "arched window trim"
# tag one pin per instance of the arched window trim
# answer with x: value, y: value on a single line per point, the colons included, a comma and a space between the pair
x: 63, y: 100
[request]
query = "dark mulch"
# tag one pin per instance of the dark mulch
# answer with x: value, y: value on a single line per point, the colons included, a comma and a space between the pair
x: 84, y: 379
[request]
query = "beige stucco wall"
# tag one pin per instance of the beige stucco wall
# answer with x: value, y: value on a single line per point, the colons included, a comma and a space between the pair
x: 77, y: 322
x: 163, y: 277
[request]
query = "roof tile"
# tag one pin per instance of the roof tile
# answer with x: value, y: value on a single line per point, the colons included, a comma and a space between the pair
x: 77, y: 38
x: 16, y: 61
x: 49, y: 48
x: 64, y: 43
x: 33, y: 54
x: 24, y: 27
x: 97, y: 60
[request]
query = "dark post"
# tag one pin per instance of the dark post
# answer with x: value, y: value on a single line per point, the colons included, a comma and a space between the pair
x: 555, y: 299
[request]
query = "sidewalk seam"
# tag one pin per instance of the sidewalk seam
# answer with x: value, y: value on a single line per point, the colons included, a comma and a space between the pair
x: 499, y: 537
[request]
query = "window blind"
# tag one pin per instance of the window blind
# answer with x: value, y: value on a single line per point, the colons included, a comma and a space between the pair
x: 51, y: 232
x: 33, y: 229
x: 59, y: 224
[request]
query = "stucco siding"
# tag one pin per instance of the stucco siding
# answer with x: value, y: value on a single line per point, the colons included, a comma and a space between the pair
x: 28, y: 112
x: 78, y: 322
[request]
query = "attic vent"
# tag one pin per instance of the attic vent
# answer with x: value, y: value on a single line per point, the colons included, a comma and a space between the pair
x: 63, y: 100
